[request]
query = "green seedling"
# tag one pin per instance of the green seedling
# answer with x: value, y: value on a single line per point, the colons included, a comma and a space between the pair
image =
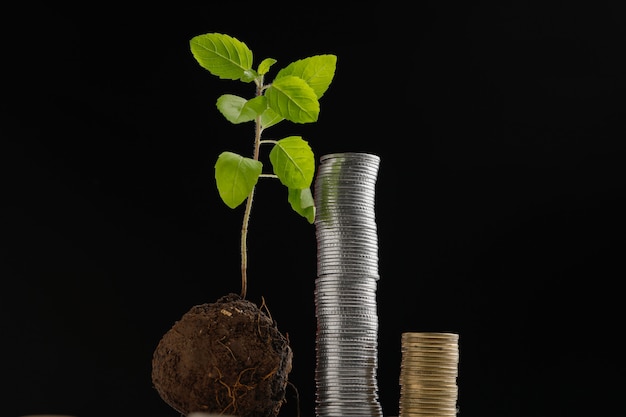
x: 293, y: 95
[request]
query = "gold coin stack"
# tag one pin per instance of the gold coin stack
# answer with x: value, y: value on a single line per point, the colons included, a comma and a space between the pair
x: 428, y: 374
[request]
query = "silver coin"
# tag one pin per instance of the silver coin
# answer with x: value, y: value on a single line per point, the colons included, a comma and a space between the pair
x: 340, y: 328
x: 346, y: 171
x: 323, y: 307
x: 350, y: 156
x: 347, y: 253
x: 348, y: 267
x: 345, y: 198
x: 323, y: 345
x: 332, y: 247
x: 357, y: 191
x: 349, y: 407
x: 338, y: 217
x: 347, y: 410
x: 349, y: 159
x: 336, y: 391
x: 339, y: 382
x: 339, y: 285
x: 361, y: 320
x: 367, y: 348
x: 325, y: 304
x: 344, y: 331
x: 344, y: 389
x: 344, y: 168
x: 348, y: 261
x: 359, y: 312
x: 333, y: 322
x: 325, y: 341
x: 355, y: 177
x: 343, y: 201
x: 359, y: 360
x: 350, y: 212
x: 345, y: 195
x: 349, y: 380
x: 344, y: 397
x: 326, y: 345
x: 337, y: 195
x: 347, y: 228
x: 348, y: 334
x: 364, y: 285
x: 355, y: 236
x: 335, y: 398
x: 325, y: 301
x: 351, y: 285
x: 345, y: 362
x: 328, y: 241
x: 358, y: 210
x: 330, y: 377
x: 360, y: 156
x: 346, y: 280
x: 344, y: 277
x: 347, y: 286
x: 328, y: 299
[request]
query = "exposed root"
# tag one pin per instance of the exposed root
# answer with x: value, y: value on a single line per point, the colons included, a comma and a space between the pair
x: 235, y: 392
x: 271, y: 374
x: 258, y: 325
x: 264, y: 307
x: 227, y: 348
x: 297, y: 397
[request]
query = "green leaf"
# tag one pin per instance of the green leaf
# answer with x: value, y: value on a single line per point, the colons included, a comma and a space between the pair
x: 236, y: 177
x: 270, y: 118
x: 292, y: 98
x: 302, y: 202
x: 257, y: 104
x: 293, y: 162
x: 239, y: 110
x: 223, y: 56
x: 318, y: 71
x: 265, y: 65
x: 234, y: 109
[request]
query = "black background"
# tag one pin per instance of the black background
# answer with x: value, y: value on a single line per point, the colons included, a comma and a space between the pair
x: 500, y: 128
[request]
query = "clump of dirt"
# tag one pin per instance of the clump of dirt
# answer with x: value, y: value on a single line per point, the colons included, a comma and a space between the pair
x: 226, y: 357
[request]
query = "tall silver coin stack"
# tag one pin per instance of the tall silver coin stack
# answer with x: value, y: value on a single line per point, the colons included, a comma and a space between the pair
x: 428, y: 374
x: 345, y: 287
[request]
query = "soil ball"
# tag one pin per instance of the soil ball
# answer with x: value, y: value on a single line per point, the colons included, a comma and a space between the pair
x: 226, y: 357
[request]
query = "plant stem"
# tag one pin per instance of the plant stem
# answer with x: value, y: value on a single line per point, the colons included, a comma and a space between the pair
x: 246, y: 214
x: 244, y: 246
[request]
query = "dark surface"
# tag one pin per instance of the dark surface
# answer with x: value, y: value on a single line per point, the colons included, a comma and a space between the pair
x: 500, y: 129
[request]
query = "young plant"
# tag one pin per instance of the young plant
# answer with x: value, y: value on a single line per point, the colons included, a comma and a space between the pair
x: 293, y: 95
x: 217, y: 353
